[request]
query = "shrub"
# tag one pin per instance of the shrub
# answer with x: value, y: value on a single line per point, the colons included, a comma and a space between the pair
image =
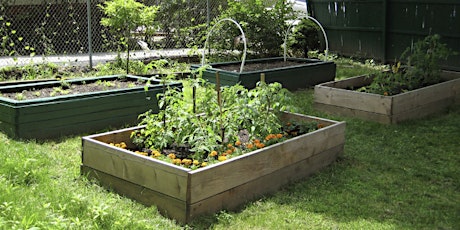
x: 305, y: 38
x: 264, y: 26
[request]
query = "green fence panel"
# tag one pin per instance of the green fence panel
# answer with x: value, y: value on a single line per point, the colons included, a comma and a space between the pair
x: 383, y: 29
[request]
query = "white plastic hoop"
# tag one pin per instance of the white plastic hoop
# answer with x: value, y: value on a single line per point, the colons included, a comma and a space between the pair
x: 244, y: 41
x: 315, y: 21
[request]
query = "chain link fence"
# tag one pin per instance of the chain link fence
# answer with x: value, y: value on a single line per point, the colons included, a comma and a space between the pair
x: 60, y: 27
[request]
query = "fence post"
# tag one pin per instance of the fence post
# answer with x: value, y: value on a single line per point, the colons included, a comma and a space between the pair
x: 90, y: 48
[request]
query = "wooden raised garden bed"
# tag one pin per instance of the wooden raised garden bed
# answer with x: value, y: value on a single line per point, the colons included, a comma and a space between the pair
x: 184, y: 194
x: 295, y: 73
x: 338, y: 98
x: 74, y: 113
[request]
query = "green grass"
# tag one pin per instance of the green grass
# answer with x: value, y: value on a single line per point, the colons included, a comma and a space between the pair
x: 404, y: 176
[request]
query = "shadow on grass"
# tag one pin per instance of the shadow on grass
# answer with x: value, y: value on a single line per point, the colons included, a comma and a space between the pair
x: 406, y: 175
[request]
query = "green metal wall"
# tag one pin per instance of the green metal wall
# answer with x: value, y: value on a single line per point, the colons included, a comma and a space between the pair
x: 383, y: 29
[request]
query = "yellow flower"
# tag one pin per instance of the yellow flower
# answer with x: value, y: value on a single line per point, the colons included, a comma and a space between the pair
x: 156, y: 153
x: 172, y: 156
x: 196, y: 162
x: 186, y: 161
x: 222, y: 158
x: 213, y: 153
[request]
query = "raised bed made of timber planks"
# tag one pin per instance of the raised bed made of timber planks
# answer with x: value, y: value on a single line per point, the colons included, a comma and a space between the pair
x: 302, y: 74
x: 53, y: 117
x: 337, y: 98
x: 184, y: 194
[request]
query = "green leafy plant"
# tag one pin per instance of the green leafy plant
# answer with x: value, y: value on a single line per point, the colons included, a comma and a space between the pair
x: 422, y: 68
x: 218, y: 123
x: 124, y: 16
x: 305, y: 38
x: 20, y: 96
x: 184, y: 22
x: 264, y: 25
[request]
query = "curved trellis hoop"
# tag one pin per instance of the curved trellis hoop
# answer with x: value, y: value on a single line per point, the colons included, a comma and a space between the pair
x: 320, y: 26
x: 244, y: 41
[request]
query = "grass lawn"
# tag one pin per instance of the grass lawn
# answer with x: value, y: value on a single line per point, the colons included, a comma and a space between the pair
x: 404, y: 176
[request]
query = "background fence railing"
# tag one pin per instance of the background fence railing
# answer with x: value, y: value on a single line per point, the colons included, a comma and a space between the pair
x: 55, y: 27
x: 377, y: 29
x: 383, y: 29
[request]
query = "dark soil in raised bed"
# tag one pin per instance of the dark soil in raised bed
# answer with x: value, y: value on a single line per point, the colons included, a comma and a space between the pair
x: 72, y: 89
x: 258, y: 66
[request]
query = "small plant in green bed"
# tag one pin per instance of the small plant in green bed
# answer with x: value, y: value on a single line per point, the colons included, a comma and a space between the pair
x: 20, y: 96
x: 422, y: 69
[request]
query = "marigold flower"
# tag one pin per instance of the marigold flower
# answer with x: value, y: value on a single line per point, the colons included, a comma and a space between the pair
x: 172, y: 156
x: 141, y: 153
x: 222, y: 158
x: 270, y: 136
x: 385, y: 93
x: 196, y: 162
x: 249, y: 146
x: 123, y: 145
x: 177, y: 161
x: 156, y: 153
x: 204, y: 164
x: 238, y: 143
x: 213, y: 153
x: 279, y: 135
x: 260, y: 145
x: 229, y: 151
x: 186, y: 161
x: 229, y: 145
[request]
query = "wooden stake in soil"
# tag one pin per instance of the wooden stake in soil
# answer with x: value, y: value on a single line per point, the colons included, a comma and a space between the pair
x: 262, y: 77
x: 262, y: 82
x: 219, y: 102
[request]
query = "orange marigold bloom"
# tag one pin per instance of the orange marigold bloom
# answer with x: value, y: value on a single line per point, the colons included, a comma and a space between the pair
x: 385, y: 93
x: 229, y: 151
x: 229, y: 145
x: 238, y: 143
x: 319, y: 126
x: 270, y: 136
x: 279, y: 135
x: 186, y: 161
x: 256, y: 141
x: 249, y: 146
x: 260, y: 145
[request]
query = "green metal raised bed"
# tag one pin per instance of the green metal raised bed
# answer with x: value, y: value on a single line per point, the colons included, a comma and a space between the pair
x: 51, y: 117
x: 301, y: 73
